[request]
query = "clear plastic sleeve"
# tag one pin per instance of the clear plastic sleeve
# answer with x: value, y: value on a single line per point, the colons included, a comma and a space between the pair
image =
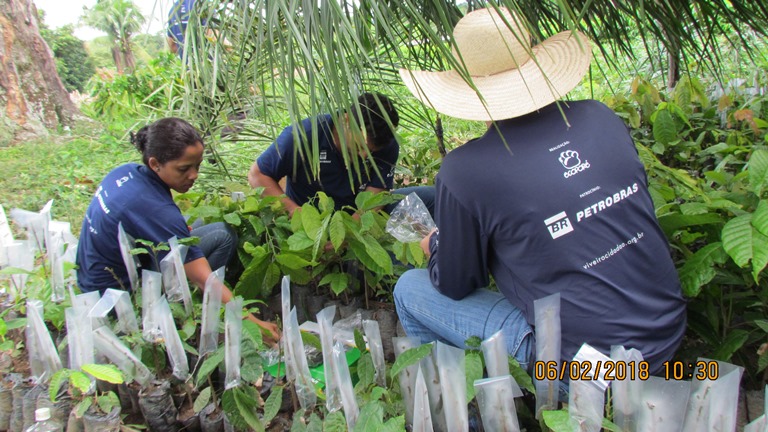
x: 625, y: 391
x: 120, y: 301
x: 704, y: 401
x: 233, y: 327
x: 325, y: 324
x: 151, y: 291
x: 453, y: 383
x: 344, y: 382
x: 422, y: 416
x: 428, y: 366
x: 305, y: 387
x: 127, y: 243
x: 285, y: 302
x: 44, y: 360
x: 496, y: 399
x: 173, y: 345
x: 410, y: 220
x: 79, y: 338
x: 373, y: 334
x: 586, y: 398
x: 547, y: 316
x: 407, y: 376
x: 174, y: 276
x: 121, y: 356
x: 209, y: 329
x: 661, y: 407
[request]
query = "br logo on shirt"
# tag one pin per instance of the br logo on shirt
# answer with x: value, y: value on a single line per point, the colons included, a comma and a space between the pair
x: 571, y: 161
x: 558, y: 225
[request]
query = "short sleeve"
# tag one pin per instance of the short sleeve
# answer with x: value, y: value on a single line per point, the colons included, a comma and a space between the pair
x: 276, y: 160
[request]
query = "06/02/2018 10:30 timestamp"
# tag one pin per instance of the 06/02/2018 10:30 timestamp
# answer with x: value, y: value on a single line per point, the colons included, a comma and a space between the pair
x: 623, y: 370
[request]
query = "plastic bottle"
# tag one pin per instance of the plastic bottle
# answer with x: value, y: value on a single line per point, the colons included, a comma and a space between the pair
x: 44, y: 422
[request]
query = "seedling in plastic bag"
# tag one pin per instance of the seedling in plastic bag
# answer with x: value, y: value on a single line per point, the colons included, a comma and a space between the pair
x: 410, y: 220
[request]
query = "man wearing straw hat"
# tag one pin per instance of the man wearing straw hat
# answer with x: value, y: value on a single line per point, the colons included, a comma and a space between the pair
x: 551, y: 199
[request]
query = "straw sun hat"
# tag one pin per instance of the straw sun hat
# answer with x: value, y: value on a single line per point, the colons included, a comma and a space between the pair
x: 513, y: 78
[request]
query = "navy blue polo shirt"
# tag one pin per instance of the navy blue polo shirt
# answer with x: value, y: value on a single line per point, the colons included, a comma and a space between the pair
x: 561, y: 208
x: 178, y: 18
x: 335, y: 179
x: 134, y: 195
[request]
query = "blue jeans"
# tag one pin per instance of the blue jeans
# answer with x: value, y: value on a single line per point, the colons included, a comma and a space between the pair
x: 425, y: 193
x: 428, y: 315
x: 218, y: 241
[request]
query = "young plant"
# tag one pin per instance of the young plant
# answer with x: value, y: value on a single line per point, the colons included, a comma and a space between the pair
x: 80, y: 387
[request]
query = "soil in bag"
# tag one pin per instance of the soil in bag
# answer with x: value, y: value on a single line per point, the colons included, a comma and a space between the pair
x: 100, y: 422
x: 211, y: 419
x: 157, y: 407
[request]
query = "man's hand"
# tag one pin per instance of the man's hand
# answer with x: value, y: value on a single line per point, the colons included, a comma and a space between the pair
x: 425, y: 243
x: 271, y: 334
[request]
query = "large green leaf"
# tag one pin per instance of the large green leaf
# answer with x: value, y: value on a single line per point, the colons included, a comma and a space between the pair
x: 409, y: 357
x: 474, y: 371
x: 699, y: 269
x: 337, y: 230
x: 758, y: 170
x: 334, y: 422
x: 732, y: 342
x: 104, y: 372
x: 273, y: 402
x: 378, y: 253
x: 59, y: 377
x: 760, y: 217
x: 292, y: 261
x: 675, y: 221
x: 744, y: 243
x: 311, y: 220
x: 664, y: 128
x: 209, y: 365
x: 371, y: 418
x: 202, y: 399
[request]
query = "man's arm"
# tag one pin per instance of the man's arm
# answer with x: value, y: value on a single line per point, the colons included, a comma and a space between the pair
x: 172, y: 45
x: 198, y: 271
x: 271, y: 187
x: 458, y: 250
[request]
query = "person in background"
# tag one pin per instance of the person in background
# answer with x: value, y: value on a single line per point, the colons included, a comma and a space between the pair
x: 366, y: 130
x: 139, y: 197
x: 177, y: 25
x: 551, y: 199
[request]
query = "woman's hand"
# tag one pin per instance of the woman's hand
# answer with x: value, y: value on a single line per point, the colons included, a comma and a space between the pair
x: 271, y: 334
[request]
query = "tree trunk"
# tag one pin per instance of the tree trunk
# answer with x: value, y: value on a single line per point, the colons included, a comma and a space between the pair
x: 130, y: 61
x: 32, y: 96
x: 117, y: 57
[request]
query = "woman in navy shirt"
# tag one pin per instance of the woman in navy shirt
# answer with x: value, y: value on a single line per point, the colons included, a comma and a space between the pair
x: 139, y: 197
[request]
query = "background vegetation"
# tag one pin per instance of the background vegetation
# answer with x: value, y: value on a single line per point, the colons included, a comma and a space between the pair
x: 702, y: 139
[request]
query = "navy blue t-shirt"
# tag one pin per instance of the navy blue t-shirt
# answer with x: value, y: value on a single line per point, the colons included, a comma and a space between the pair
x: 178, y: 18
x: 335, y: 179
x: 134, y: 195
x: 561, y: 209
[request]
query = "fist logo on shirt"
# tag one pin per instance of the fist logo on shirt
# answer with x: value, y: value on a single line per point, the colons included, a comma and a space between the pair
x: 570, y: 159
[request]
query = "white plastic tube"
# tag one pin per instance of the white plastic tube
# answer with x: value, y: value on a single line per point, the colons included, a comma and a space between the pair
x: 173, y: 345
x: 422, y: 416
x: 547, y: 317
x: 495, y: 397
x: 116, y: 352
x: 127, y: 243
x: 79, y: 338
x: 332, y: 392
x: 373, y: 334
x: 209, y: 329
x: 233, y: 327
x: 344, y: 381
x: 453, y: 383
x: 151, y: 291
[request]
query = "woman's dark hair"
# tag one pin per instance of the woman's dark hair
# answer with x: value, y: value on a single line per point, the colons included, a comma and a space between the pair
x: 165, y: 139
x: 378, y: 112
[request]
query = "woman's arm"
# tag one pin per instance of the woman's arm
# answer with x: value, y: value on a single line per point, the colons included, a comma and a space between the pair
x: 198, y: 271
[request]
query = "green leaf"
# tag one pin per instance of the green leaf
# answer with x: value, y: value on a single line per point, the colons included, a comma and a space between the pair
x: 395, y: 424
x: 253, y: 331
x: 3, y: 328
x: 14, y: 271
x: 409, y: 357
x: 367, y: 221
x: 292, y: 261
x: 699, y: 269
x: 298, y: 424
x: 365, y: 370
x: 337, y: 230
x: 758, y: 170
x: 611, y: 426
x: 520, y: 375
x: 233, y: 219
x: 732, y: 342
x: 737, y: 239
x: 339, y: 282
x: 80, y: 381
x: 474, y: 371
x: 16, y: 323
x: 58, y: 378
x: 378, y: 254
x: 763, y: 324
x: 664, y: 128
x: 558, y: 421
x: 273, y: 402
x: 371, y: 418
x: 202, y: 399
x: 335, y: 422
x: 210, y: 364
x: 82, y: 407
x: 360, y: 341
x: 246, y: 404
x: 311, y: 221
x: 311, y: 340
x: 108, y: 401
x: 760, y: 217
x: 299, y: 242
